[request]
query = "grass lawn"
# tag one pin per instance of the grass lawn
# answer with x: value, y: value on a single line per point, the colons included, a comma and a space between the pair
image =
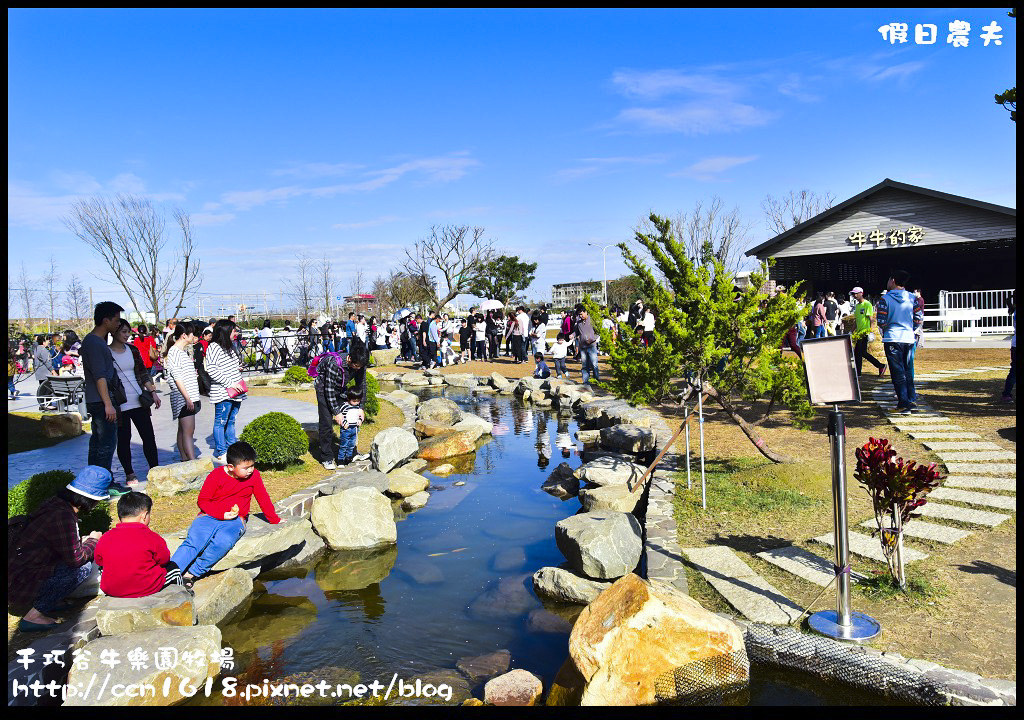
x: 962, y: 608
x: 25, y: 432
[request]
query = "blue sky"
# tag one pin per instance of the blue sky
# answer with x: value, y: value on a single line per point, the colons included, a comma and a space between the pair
x: 352, y: 132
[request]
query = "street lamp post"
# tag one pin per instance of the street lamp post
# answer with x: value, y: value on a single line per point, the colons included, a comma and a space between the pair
x: 604, y: 264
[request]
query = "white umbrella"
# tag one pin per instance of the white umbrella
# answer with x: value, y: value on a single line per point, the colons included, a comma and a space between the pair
x: 491, y: 305
x: 401, y: 314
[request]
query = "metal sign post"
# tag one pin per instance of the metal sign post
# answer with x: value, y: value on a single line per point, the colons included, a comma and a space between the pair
x: 700, y: 421
x: 832, y: 379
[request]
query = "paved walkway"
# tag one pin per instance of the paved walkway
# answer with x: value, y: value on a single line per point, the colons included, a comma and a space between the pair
x: 72, y: 454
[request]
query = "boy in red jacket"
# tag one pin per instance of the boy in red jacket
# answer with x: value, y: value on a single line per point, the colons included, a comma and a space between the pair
x: 223, y: 509
x: 135, y: 560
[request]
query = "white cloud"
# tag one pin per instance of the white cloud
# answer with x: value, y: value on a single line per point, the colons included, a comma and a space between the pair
x: 431, y: 169
x: 210, y: 219
x: 710, y: 168
x: 901, y: 71
x: 696, y: 118
x: 315, y: 170
x: 383, y: 220
x: 589, y: 167
x: 659, y: 83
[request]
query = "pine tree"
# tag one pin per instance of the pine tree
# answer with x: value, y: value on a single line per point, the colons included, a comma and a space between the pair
x: 728, y: 338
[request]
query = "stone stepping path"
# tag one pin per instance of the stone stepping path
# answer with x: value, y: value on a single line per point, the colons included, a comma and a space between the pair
x: 961, y: 457
x: 804, y: 564
x: 960, y: 514
x: 919, y: 417
x: 959, y: 445
x: 942, y: 435
x: 869, y: 547
x: 744, y: 589
x: 978, y: 468
x: 927, y: 531
x: 974, y: 498
x: 980, y: 482
x: 923, y: 427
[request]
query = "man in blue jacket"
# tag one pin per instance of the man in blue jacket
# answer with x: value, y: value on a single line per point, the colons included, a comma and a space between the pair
x: 898, y: 316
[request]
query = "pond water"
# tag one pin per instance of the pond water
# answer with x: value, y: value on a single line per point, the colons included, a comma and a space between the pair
x: 457, y: 584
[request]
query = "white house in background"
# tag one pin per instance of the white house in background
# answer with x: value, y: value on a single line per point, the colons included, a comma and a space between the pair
x: 567, y: 295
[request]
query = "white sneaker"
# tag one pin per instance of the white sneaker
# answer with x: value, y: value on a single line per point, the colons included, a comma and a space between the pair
x: 329, y: 465
x: 364, y: 456
x: 222, y: 459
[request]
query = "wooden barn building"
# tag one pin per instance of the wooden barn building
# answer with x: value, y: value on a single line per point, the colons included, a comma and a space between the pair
x: 948, y: 243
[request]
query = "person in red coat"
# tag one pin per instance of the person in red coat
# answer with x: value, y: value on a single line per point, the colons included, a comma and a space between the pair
x: 135, y: 560
x: 223, y: 509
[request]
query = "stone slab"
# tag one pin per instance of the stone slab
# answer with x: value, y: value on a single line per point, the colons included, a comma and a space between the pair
x: 960, y: 445
x: 964, y: 515
x: 974, y: 498
x: 922, y: 415
x: 991, y: 455
x: 925, y: 427
x: 869, y: 547
x: 925, y: 434
x: 927, y: 531
x: 744, y: 589
x: 981, y: 468
x: 919, y: 419
x: 980, y: 482
x: 802, y: 563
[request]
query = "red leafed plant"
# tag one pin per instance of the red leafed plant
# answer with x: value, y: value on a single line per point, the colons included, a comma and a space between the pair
x: 895, y: 486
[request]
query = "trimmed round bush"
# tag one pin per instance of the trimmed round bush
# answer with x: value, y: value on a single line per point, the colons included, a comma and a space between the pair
x: 28, y: 495
x: 277, y: 438
x: 372, y: 405
x: 296, y: 375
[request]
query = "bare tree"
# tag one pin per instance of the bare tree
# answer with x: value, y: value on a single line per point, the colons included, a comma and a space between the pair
x: 128, y: 235
x: 300, y: 286
x: 709, y: 229
x: 457, y: 252
x: 790, y: 210
x: 76, y: 301
x: 49, y: 286
x: 357, y: 283
x: 28, y: 295
x: 325, y: 282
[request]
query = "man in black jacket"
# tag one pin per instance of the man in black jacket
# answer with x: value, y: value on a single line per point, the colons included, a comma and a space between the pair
x: 329, y: 385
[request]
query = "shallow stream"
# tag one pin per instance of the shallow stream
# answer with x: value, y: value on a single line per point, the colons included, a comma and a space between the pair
x: 457, y: 583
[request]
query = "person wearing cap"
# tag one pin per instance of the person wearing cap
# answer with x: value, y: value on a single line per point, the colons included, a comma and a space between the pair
x: 48, y: 558
x: 862, y: 313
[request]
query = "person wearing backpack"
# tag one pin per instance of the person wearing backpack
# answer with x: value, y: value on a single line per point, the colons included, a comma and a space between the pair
x: 330, y: 374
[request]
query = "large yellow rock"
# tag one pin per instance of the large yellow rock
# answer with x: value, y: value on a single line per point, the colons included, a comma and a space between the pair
x: 429, y: 428
x: 446, y: 446
x: 61, y: 425
x: 635, y: 632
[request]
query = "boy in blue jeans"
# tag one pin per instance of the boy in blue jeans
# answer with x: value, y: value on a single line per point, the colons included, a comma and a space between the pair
x: 223, y: 511
x: 352, y: 417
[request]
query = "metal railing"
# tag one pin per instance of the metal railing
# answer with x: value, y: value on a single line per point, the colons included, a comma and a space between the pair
x: 974, y: 312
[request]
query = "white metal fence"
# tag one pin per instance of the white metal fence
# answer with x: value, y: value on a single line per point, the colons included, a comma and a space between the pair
x: 971, y: 312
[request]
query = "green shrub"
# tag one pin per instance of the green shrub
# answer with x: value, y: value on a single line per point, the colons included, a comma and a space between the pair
x: 296, y: 375
x: 28, y: 495
x: 372, y: 405
x: 278, y: 439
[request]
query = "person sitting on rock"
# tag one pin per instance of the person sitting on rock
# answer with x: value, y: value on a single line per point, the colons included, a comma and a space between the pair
x: 223, y: 510
x: 46, y: 557
x: 541, y: 370
x: 135, y: 560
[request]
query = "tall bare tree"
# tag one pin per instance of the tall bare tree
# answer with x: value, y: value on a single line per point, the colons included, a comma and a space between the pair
x: 326, y: 284
x: 127, y: 233
x: 76, y: 302
x: 300, y: 286
x: 790, y: 210
x: 357, y: 283
x: 27, y: 291
x: 48, y: 283
x: 709, y: 228
x: 457, y: 253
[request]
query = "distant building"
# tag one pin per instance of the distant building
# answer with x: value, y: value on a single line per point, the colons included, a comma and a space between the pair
x: 361, y: 304
x: 568, y: 295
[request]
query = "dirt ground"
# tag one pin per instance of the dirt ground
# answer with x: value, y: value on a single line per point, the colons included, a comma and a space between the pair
x: 968, y: 621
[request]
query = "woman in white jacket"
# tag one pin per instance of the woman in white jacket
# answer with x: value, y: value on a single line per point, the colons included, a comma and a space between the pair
x: 224, y: 366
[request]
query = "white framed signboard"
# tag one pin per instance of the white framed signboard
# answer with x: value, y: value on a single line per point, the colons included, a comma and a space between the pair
x: 830, y: 370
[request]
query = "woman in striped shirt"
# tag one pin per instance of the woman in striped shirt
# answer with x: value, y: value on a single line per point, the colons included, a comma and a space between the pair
x: 181, y: 375
x: 224, y: 366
